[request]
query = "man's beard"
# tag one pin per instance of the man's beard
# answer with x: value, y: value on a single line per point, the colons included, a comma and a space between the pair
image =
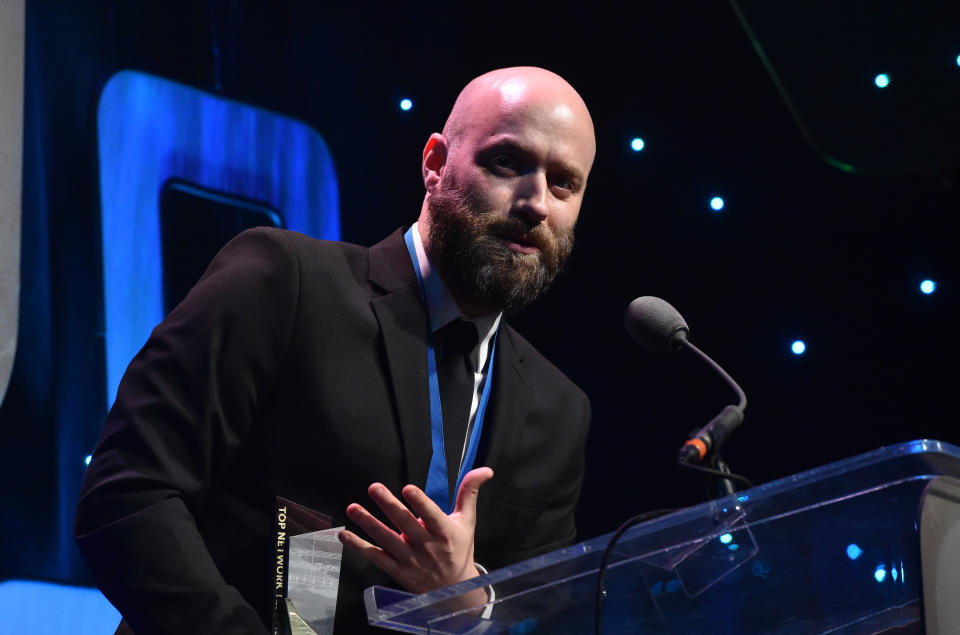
x: 474, y: 262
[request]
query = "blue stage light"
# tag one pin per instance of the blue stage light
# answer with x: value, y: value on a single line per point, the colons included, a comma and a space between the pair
x: 726, y: 538
x: 958, y: 60
x: 799, y: 347
x: 928, y: 286
x: 637, y: 144
x: 882, y: 80
x: 87, y: 459
x: 733, y: 547
x: 880, y: 574
x: 406, y: 104
x: 716, y: 203
x: 854, y: 551
x: 893, y: 572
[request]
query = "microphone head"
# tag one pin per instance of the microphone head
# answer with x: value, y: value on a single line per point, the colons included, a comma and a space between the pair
x: 655, y: 325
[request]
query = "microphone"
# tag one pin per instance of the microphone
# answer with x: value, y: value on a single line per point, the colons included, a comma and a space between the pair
x: 658, y: 327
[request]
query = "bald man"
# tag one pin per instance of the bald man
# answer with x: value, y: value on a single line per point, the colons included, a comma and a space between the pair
x: 311, y: 370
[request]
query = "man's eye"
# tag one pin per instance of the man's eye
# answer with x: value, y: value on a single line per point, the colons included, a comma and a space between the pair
x: 562, y: 182
x: 504, y: 162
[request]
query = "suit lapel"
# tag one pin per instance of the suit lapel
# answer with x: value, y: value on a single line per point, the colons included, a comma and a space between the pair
x: 511, y: 400
x: 403, y: 325
x: 502, y: 431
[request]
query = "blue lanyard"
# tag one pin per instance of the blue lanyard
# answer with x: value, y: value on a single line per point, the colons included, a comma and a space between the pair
x: 437, y: 485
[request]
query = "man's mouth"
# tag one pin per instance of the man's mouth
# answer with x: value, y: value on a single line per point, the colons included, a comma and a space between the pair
x: 518, y: 244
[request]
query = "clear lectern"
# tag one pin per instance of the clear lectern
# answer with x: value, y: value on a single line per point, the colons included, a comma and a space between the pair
x: 866, y: 545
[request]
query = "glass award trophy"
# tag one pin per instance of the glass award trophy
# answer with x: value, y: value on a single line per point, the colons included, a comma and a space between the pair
x: 306, y: 571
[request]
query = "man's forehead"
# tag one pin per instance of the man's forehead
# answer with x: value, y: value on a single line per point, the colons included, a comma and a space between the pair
x: 529, y: 124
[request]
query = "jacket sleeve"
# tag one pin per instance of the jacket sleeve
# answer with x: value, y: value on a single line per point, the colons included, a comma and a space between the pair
x: 184, y: 408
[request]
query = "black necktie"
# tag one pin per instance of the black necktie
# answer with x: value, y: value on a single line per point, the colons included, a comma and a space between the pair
x: 455, y: 373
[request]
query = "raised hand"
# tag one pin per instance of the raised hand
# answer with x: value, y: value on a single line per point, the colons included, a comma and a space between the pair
x: 427, y: 550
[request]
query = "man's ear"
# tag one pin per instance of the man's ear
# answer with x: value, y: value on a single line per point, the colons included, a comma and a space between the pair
x: 434, y: 160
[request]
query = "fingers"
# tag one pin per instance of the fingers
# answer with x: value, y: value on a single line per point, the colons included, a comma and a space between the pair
x: 397, y: 512
x: 469, y: 490
x: 381, y: 534
x: 371, y: 553
x: 429, y: 512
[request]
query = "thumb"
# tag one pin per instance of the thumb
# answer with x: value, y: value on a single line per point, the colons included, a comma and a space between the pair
x: 469, y: 490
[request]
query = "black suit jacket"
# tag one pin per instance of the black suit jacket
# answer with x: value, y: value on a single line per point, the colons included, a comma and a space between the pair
x: 297, y: 368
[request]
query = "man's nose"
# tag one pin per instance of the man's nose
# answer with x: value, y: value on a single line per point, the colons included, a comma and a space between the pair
x: 531, y: 196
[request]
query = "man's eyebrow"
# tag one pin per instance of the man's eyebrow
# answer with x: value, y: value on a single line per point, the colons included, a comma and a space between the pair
x: 511, y: 143
x: 572, y: 172
x: 504, y: 142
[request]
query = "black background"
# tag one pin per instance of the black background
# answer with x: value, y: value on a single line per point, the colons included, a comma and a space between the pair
x: 802, y: 250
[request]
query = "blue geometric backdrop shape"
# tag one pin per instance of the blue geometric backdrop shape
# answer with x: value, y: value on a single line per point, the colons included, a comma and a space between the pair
x: 45, y: 608
x: 149, y: 130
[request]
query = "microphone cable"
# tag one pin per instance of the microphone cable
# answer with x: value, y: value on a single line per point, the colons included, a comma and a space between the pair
x: 601, y: 591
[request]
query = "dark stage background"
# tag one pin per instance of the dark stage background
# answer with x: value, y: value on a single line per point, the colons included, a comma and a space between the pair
x: 825, y: 241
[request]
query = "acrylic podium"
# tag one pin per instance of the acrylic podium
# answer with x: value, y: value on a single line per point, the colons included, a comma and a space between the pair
x: 870, y: 544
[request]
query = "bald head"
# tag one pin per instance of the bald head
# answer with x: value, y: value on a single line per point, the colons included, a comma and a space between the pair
x: 507, y: 92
